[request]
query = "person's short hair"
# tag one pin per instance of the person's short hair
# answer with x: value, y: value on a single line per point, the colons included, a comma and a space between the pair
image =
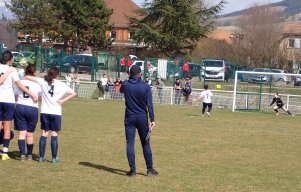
x: 135, y: 70
x: 206, y: 87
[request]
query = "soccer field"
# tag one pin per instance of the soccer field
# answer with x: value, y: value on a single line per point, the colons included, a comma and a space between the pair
x: 242, y: 151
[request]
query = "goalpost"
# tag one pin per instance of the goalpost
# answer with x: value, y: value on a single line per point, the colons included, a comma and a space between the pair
x: 254, y: 90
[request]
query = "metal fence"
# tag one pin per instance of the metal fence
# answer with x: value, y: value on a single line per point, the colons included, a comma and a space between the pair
x: 222, y: 99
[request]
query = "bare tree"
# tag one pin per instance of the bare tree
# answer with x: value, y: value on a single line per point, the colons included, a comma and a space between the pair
x: 260, y: 27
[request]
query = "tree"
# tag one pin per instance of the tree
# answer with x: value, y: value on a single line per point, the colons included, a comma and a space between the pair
x: 76, y: 23
x: 173, y: 26
x: 31, y: 17
x: 81, y: 23
x: 260, y: 28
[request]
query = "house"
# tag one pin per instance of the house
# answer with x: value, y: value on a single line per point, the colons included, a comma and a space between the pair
x: 290, y: 44
x: 120, y: 25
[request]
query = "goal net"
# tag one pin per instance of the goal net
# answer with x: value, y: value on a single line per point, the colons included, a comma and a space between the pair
x: 255, y: 90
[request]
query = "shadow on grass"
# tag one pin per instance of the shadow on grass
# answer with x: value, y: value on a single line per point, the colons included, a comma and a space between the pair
x: 16, y: 155
x: 105, y: 168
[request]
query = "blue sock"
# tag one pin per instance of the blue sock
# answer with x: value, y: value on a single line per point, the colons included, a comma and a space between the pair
x: 5, y: 145
x: 29, y: 149
x: 21, y: 143
x: 54, y: 146
x: 42, y: 146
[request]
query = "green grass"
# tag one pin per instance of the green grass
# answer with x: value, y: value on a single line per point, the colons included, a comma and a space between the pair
x: 243, y: 151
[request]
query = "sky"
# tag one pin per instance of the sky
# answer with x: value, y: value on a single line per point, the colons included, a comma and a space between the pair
x: 232, y: 5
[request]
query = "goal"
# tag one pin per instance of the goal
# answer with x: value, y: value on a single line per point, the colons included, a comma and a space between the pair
x: 253, y: 91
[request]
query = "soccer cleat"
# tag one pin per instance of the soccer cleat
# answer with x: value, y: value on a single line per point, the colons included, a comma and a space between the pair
x: 208, y: 114
x: 277, y: 113
x: 152, y: 173
x: 22, y: 158
x: 5, y: 157
x: 131, y: 173
x: 29, y: 157
x: 42, y: 159
x: 203, y: 115
x: 55, y: 160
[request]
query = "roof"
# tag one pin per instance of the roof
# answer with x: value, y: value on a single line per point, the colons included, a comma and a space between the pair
x: 121, y: 9
x: 292, y: 29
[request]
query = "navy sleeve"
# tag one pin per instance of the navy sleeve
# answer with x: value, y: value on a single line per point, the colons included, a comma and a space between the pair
x: 150, y: 104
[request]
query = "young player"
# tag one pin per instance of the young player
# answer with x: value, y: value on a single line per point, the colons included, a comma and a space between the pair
x: 279, y: 105
x: 207, y: 101
x: 7, y: 98
x: 54, y: 94
x: 26, y: 114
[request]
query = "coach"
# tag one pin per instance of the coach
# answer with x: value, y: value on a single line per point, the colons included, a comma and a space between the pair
x: 139, y: 105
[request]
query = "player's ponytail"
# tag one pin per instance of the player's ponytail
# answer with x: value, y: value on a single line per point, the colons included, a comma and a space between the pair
x: 51, y: 75
x: 6, y: 57
x: 30, y: 70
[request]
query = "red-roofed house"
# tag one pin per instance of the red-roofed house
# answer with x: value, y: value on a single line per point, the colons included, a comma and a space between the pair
x: 119, y: 20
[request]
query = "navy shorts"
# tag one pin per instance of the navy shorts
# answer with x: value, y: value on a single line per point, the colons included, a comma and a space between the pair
x: 7, y: 111
x: 209, y: 105
x: 50, y: 122
x: 26, y: 118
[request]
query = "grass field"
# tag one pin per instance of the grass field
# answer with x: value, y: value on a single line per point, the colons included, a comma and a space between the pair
x: 227, y: 152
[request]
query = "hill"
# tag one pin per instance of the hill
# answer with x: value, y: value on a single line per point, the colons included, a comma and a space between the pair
x: 290, y: 8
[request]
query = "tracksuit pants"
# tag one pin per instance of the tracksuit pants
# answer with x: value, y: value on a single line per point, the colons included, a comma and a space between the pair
x: 139, y: 122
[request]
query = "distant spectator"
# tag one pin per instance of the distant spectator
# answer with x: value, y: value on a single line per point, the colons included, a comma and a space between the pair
x: 104, y: 82
x: 186, y: 70
x: 129, y: 63
x: 178, y: 91
x: 122, y: 64
x: 69, y: 79
x: 160, y: 85
x: 187, y: 89
x: 101, y: 90
x: 226, y: 73
x: 148, y: 81
x: 117, y: 85
x: 76, y: 83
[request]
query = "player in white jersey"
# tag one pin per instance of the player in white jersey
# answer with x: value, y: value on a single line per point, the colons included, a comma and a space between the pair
x: 54, y: 94
x: 207, y: 101
x: 7, y: 97
x: 26, y: 114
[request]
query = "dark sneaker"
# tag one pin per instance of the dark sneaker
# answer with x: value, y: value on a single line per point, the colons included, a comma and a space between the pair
x: 152, y: 173
x: 55, y: 160
x: 131, y: 173
x: 42, y: 159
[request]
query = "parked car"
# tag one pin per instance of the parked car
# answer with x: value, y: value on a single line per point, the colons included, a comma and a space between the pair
x: 280, y: 77
x: 297, y: 81
x: 258, y: 78
x: 75, y: 63
x: 244, y: 76
x: 151, y: 70
x: 21, y: 59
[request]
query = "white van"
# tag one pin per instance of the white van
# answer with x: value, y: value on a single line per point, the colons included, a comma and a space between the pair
x: 213, y: 69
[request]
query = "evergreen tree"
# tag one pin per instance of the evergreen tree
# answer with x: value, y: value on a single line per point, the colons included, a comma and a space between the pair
x: 173, y: 26
x: 78, y: 23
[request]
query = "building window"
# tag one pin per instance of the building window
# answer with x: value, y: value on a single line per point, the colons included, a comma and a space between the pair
x: 291, y: 43
x: 113, y: 34
x: 294, y: 43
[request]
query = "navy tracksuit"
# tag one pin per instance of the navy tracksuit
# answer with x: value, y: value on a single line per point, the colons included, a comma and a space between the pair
x: 138, y: 101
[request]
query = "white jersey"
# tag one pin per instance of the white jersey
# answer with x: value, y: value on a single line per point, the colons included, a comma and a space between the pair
x: 23, y: 98
x: 104, y: 81
x: 51, y: 94
x: 6, y: 88
x: 206, y: 95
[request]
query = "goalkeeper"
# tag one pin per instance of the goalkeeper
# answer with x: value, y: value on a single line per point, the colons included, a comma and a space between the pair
x: 279, y: 105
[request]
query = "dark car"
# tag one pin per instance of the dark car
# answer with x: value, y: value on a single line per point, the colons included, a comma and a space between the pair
x: 244, y: 76
x: 78, y: 63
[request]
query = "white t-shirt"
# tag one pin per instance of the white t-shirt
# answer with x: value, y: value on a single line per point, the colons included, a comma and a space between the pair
x: 206, y: 95
x: 51, y: 94
x: 23, y: 98
x: 6, y: 89
x: 104, y: 80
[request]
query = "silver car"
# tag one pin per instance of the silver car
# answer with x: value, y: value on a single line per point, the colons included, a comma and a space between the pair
x: 281, y: 75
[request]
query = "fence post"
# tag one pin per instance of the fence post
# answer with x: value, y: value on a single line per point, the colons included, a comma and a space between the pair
x: 93, y: 67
